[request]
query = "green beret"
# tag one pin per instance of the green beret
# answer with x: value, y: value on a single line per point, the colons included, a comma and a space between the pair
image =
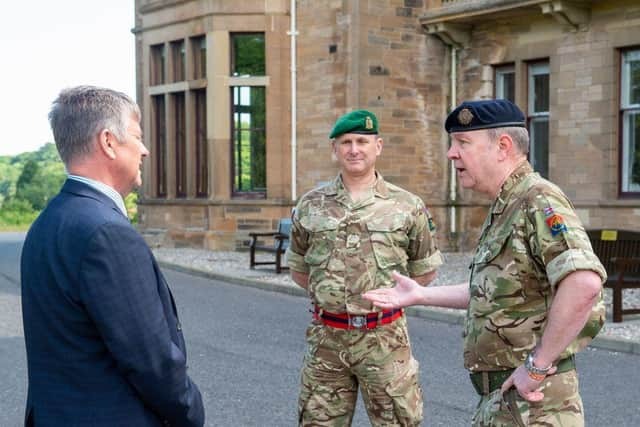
x: 359, y: 121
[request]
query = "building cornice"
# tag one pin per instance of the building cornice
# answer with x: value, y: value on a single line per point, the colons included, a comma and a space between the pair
x: 453, y: 22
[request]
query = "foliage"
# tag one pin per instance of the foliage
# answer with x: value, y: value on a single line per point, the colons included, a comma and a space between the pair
x: 16, y: 213
x: 27, y: 182
x: 131, y: 203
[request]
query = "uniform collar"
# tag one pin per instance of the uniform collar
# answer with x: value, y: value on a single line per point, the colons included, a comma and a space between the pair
x: 336, y: 187
x: 518, y: 174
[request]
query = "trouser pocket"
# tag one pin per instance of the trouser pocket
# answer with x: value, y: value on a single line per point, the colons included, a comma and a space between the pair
x: 406, y: 395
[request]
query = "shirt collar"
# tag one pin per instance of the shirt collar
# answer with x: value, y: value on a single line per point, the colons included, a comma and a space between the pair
x: 104, y: 189
x: 518, y: 174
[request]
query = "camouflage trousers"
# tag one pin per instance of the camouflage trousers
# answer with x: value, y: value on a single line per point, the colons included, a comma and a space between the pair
x: 379, y: 361
x: 561, y: 406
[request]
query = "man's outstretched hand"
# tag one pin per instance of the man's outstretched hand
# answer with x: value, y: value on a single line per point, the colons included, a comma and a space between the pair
x: 406, y: 292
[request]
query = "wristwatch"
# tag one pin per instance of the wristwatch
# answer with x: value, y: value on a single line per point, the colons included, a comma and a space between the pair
x: 531, y: 367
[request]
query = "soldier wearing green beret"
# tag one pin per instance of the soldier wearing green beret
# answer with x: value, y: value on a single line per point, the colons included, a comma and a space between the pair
x: 347, y: 237
x: 534, y: 298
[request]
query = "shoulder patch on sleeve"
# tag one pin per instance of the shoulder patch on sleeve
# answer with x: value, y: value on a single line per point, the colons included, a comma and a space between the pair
x: 556, y: 224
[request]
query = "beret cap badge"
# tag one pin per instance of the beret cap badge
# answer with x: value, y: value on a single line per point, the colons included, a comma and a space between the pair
x: 368, y: 123
x: 465, y: 116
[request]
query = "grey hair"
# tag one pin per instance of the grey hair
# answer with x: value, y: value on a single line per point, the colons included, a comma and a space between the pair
x: 519, y: 135
x: 79, y: 113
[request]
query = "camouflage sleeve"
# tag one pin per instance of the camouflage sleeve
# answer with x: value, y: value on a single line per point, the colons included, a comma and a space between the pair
x: 557, y: 238
x: 422, y: 251
x: 298, y: 244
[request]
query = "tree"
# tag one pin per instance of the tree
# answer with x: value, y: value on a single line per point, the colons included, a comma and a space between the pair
x: 38, y: 184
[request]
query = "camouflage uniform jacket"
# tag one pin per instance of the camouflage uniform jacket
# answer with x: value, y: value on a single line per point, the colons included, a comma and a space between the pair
x: 530, y: 241
x: 348, y: 248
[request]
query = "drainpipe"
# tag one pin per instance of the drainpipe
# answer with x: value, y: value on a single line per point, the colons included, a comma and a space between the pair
x: 452, y: 169
x: 293, y: 33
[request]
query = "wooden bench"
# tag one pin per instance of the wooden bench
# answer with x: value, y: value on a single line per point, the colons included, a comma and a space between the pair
x: 279, y: 246
x: 619, y: 252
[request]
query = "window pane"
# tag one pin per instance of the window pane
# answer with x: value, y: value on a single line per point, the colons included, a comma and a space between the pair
x: 178, y: 58
x: 541, y: 93
x: 249, y: 139
x: 631, y: 152
x: 539, y: 155
x: 505, y: 83
x: 538, y: 88
x: 181, y: 144
x: 248, y: 54
x: 199, y: 52
x: 631, y: 78
x: 160, y: 144
x: 157, y: 64
x: 202, y: 161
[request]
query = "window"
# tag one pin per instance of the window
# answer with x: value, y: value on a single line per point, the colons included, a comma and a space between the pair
x: 538, y: 116
x: 505, y: 82
x: 181, y: 144
x: 157, y: 65
x: 630, y: 114
x: 248, y: 138
x: 249, y: 114
x: 178, y: 59
x: 247, y: 54
x: 159, y: 135
x: 202, y: 161
x: 199, y: 51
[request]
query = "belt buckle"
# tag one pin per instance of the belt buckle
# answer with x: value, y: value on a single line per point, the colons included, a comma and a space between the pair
x: 358, y: 321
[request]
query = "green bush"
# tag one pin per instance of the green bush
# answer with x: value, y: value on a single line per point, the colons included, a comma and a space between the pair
x: 131, y: 203
x: 17, y: 213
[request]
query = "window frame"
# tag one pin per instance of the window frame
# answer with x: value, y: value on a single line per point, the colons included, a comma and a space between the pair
x: 201, y: 143
x: 537, y: 116
x: 178, y: 51
x: 499, y: 70
x: 180, y: 143
x: 232, y: 56
x: 623, y: 109
x: 199, y: 59
x: 157, y: 64
x: 160, y: 143
x: 251, y: 194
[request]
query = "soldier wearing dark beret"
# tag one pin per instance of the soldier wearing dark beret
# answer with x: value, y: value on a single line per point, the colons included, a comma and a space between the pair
x: 534, y: 298
x: 346, y: 239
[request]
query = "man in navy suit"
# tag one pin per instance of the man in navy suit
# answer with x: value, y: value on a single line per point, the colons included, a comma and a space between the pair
x: 104, y: 343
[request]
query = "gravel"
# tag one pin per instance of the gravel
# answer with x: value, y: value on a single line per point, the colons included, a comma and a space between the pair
x: 454, y: 270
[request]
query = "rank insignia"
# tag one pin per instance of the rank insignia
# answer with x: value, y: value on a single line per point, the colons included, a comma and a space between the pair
x: 368, y: 123
x: 556, y: 224
x: 465, y: 116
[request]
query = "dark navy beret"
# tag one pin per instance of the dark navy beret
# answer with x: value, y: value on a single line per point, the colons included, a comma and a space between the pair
x: 358, y: 121
x: 485, y: 114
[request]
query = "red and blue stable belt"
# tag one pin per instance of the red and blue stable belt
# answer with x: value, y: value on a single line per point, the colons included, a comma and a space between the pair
x: 356, y: 321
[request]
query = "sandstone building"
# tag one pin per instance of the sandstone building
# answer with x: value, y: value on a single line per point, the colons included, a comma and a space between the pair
x: 221, y: 94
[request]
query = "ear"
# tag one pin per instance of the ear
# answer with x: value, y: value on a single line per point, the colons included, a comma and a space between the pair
x: 505, y: 146
x: 379, y: 144
x: 334, y: 155
x: 106, y: 142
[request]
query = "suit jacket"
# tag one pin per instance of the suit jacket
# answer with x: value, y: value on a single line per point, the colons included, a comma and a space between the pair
x: 104, y: 343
